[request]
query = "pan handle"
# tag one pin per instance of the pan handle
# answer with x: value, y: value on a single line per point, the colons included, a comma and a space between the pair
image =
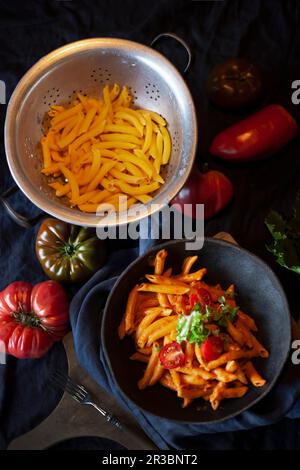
x: 182, y: 42
x: 18, y: 218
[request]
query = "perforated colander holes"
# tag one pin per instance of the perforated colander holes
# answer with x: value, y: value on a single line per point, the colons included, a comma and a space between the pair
x: 52, y: 96
x: 72, y: 96
x: 152, y: 91
x: 175, y: 141
x: 133, y: 93
x: 100, y: 75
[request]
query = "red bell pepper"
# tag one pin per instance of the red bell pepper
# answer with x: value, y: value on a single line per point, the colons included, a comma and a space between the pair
x: 256, y: 137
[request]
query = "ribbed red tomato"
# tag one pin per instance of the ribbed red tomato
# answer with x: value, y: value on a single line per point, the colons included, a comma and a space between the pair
x: 32, y: 318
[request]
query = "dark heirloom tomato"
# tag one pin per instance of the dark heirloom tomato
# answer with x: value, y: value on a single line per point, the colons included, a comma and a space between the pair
x: 68, y: 253
x: 234, y: 84
x: 172, y: 356
x: 32, y: 318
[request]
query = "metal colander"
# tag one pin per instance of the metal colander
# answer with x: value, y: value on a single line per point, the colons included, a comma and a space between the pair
x: 85, y: 67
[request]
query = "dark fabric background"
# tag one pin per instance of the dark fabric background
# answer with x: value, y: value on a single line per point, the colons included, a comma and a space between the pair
x: 264, y: 31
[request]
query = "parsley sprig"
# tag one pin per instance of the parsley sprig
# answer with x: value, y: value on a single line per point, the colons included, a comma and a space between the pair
x: 225, y: 312
x: 285, y: 245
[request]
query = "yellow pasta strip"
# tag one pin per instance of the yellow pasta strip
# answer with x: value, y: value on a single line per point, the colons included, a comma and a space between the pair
x: 85, y: 197
x: 88, y: 120
x: 139, y: 162
x: 93, y: 132
x: 114, y: 92
x: 167, y: 145
x: 100, y: 196
x: 66, y: 114
x: 125, y: 177
x: 65, y: 189
x: 155, y: 117
x: 50, y: 170
x: 106, y: 95
x: 134, y: 112
x: 123, y: 129
x: 133, y: 169
x: 135, y: 190
x: 132, y: 119
x: 107, y: 184
x: 51, y: 141
x: 56, y: 156
x: 148, y: 135
x: 68, y: 139
x: 153, y: 150
x: 121, y: 98
x: 72, y: 181
x: 106, y: 167
x: 159, y: 143
x: 46, y: 152
x: 93, y: 170
x: 121, y: 137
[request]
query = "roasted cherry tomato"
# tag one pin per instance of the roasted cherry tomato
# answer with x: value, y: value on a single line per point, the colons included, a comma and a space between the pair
x: 212, y: 348
x: 172, y: 356
x: 202, y: 296
x: 234, y: 84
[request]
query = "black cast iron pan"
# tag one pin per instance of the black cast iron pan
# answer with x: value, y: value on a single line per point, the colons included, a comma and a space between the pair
x: 259, y: 293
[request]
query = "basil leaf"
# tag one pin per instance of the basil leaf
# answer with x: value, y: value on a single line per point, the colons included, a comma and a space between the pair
x: 285, y: 246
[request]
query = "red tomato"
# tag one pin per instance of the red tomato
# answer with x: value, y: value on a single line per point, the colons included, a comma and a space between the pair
x: 213, y: 189
x: 32, y: 318
x: 256, y: 137
x: 212, y: 348
x: 172, y: 356
x: 202, y: 296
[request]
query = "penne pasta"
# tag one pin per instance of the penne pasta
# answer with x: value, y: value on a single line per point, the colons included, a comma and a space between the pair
x: 173, y: 320
x: 159, y: 263
x: 150, y: 369
x: 133, y: 143
x: 253, y: 375
x: 130, y: 310
x: 188, y: 263
x: 164, y: 289
x: 191, y: 277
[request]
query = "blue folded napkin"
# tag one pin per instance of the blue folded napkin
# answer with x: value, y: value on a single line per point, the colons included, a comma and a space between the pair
x: 26, y: 396
x: 85, y: 313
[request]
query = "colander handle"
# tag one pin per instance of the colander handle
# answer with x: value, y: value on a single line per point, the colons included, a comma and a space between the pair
x: 18, y: 218
x: 182, y: 42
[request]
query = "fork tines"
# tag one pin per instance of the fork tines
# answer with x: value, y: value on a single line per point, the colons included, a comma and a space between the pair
x: 64, y: 382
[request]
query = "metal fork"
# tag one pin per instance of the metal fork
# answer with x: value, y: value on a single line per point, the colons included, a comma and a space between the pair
x: 81, y: 395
